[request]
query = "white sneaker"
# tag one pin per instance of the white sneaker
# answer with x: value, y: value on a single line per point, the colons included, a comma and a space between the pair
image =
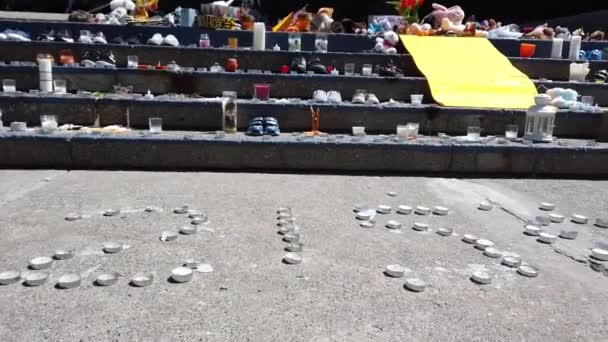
x: 372, y: 99
x: 85, y: 39
x: 3, y: 36
x: 87, y: 63
x: 171, y: 40
x: 319, y: 96
x: 157, y: 39
x: 359, y: 98
x: 100, y: 38
x: 16, y: 35
x: 334, y: 96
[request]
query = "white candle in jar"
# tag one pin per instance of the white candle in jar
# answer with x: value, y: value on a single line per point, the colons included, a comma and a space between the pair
x: 557, y: 46
x: 259, y: 36
x: 575, y: 48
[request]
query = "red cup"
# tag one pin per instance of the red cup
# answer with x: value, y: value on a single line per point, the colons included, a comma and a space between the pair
x: 284, y: 69
x: 527, y: 50
x: 330, y: 69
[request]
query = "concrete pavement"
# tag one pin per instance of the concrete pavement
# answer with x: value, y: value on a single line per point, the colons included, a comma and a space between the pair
x: 337, y: 294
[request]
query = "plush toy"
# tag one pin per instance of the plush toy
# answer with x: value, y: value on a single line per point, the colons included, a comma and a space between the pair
x: 541, y: 32
x: 563, y: 98
x: 462, y: 30
x: 420, y: 30
x: 324, y: 19
x: 301, y: 23
x: 597, y: 35
x: 563, y: 33
x: 387, y: 44
x: 440, y: 12
x: 505, y: 32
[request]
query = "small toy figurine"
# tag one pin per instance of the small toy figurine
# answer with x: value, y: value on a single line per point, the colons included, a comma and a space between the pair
x: 324, y: 19
x: 388, y: 43
x: 315, y: 115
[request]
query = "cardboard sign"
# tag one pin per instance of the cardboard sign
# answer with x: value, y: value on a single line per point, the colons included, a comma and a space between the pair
x: 216, y: 23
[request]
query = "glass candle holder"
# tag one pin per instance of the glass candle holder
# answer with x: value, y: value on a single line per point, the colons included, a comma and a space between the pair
x: 512, y: 131
x: 527, y: 50
x: 229, y: 111
x: 403, y: 131
x: 156, y: 125
x: 416, y: 99
x: 132, y: 62
x: 60, y: 86
x: 48, y: 123
x: 588, y: 100
x: 349, y: 69
x: 474, y: 133
x: 9, y: 86
x: 233, y: 43
x: 45, y: 69
x: 261, y: 91
x: 295, y: 42
x: 367, y: 70
x: 321, y: 43
x: 413, y: 129
x: 358, y: 131
x: 204, y: 41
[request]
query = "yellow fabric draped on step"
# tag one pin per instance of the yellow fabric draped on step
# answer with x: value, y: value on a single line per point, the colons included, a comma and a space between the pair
x: 469, y: 72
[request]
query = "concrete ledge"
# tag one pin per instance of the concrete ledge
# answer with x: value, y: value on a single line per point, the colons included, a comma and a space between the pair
x: 178, y: 150
x: 283, y: 86
x: 536, y: 68
x: 198, y: 114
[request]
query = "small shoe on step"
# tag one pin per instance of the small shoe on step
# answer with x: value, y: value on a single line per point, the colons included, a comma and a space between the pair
x: 171, y: 40
x: 156, y: 39
x: 334, y: 96
x: 315, y: 66
x: 100, y: 38
x: 359, y: 97
x: 372, y: 99
x: 320, y: 96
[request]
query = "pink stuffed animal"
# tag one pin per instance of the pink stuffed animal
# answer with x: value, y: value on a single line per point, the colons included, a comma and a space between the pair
x: 454, y: 13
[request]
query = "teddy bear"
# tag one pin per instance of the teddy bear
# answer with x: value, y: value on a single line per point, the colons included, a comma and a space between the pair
x: 541, y: 32
x: 324, y: 19
x: 470, y: 29
x: 455, y: 14
x: 388, y: 43
x: 420, y: 30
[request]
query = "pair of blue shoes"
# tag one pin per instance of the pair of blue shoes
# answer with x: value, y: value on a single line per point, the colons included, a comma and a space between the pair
x: 259, y: 126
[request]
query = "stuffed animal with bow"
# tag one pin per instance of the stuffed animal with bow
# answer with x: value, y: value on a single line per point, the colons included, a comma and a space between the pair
x: 455, y: 14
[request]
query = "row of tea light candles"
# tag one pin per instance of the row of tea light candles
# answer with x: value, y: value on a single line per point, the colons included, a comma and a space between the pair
x: 410, y: 131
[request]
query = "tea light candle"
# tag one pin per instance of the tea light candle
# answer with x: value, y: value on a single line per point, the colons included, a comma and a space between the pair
x: 107, y: 279
x: 547, y: 238
x: 335, y: 72
x: 599, y: 254
x: 470, y: 238
x: 285, y: 215
x: 181, y: 210
x: 294, y: 248
x: 18, y: 126
x: 421, y: 227
x: 492, y: 253
x: 532, y: 230
x: 580, y: 219
x: 358, y: 130
x: 602, y: 223
x: 482, y: 244
x: 111, y: 212
x: 73, y: 217
x: 167, y: 236
x: 259, y: 36
x: 393, y: 224
x: 395, y: 271
x: 556, y: 218
x: 420, y: 210
x: 69, y: 281
x: 415, y: 285
x: 198, y: 221
x: 36, y: 279
x: 153, y: 209
x: 543, y: 220
x: 527, y: 271
x: 61, y: 254
x: 485, y: 206
x: 9, y: 277
x: 405, y: 210
x: 547, y: 206
x: 142, y: 279
x: 293, y: 258
x: 568, y: 234
x: 511, y: 261
x: 187, y: 230
x: 441, y: 211
x: 112, y: 247
x: 182, y: 275
x: 384, y: 209
x: 403, y: 131
x: 481, y: 278
x: 392, y: 194
x: 445, y: 232
x: 194, y: 213
x: 41, y: 263
x: 364, y: 216
x: 292, y: 237
x: 191, y: 263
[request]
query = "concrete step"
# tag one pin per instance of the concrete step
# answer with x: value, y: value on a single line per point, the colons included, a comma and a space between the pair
x: 370, y: 154
x: 536, y: 68
x: 282, y: 86
x: 205, y: 114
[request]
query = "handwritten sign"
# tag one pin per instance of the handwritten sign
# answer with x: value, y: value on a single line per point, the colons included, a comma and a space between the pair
x: 216, y: 23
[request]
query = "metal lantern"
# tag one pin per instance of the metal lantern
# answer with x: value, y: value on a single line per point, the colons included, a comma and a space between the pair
x: 540, y: 120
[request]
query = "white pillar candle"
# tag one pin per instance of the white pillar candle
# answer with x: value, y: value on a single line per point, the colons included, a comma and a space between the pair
x: 557, y: 48
x: 45, y: 69
x: 259, y: 36
x: 575, y: 48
